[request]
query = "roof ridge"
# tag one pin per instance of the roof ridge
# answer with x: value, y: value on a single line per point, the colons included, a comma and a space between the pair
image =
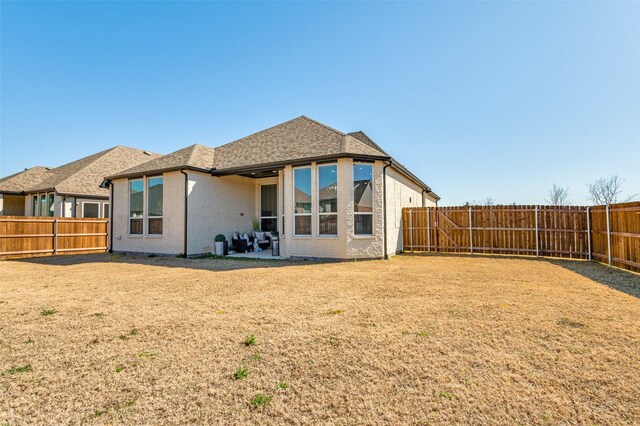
x: 324, y: 125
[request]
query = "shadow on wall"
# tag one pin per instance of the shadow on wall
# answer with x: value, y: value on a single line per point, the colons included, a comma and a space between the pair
x: 209, y: 263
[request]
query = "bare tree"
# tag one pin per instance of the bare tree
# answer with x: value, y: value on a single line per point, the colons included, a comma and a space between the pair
x: 487, y: 202
x: 558, y: 196
x: 608, y: 191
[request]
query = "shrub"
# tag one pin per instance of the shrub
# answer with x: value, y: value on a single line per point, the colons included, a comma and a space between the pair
x: 250, y: 340
x: 220, y: 238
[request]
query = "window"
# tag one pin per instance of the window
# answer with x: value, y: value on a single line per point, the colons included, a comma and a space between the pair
x: 302, y: 201
x: 43, y: 205
x: 105, y: 210
x: 155, y: 204
x: 269, y: 207
x: 328, y: 200
x: 363, y: 199
x: 34, y: 205
x: 51, y: 210
x: 90, y: 209
x: 136, y: 209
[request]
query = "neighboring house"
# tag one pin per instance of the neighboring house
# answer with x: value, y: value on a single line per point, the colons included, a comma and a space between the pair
x: 12, y: 198
x: 71, y: 190
x: 327, y: 193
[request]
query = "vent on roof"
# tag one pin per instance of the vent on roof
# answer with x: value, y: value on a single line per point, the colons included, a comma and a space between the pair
x: 146, y: 153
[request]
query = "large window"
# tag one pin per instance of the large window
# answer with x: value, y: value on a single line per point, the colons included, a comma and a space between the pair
x: 90, y: 209
x: 155, y: 204
x: 136, y: 208
x: 302, y: 200
x: 269, y: 207
x: 363, y: 199
x: 105, y: 210
x: 34, y: 205
x: 51, y: 205
x: 43, y: 204
x: 328, y: 200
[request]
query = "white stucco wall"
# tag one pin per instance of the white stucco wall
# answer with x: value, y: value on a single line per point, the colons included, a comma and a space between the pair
x: 401, y: 192
x: 218, y: 205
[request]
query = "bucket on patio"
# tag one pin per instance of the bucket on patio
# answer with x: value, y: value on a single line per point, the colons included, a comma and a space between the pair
x: 275, y: 247
x: 220, y: 242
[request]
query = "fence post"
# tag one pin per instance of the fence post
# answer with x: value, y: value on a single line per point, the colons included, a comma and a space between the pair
x: 537, y: 234
x: 608, y: 210
x: 411, y: 227
x: 55, y: 235
x: 429, y: 228
x: 589, y: 233
x: 471, y: 228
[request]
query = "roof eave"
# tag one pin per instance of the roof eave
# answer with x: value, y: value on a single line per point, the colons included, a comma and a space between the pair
x: 155, y: 172
x: 296, y: 162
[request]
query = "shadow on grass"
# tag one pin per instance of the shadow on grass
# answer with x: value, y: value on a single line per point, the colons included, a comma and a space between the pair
x: 618, y: 279
x: 209, y: 263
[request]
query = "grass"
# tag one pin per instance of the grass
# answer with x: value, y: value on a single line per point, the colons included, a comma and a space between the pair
x: 240, y: 373
x: 260, y: 400
x: 47, y: 312
x: 457, y: 340
x: 250, y: 340
x: 19, y: 369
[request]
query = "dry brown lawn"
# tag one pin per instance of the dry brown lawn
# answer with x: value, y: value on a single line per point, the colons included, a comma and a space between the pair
x: 418, y: 339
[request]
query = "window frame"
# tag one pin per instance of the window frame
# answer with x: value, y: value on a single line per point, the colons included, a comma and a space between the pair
x: 319, y: 212
x: 145, y: 212
x: 310, y: 214
x: 90, y: 202
x: 129, y: 206
x: 355, y: 213
x: 260, y: 203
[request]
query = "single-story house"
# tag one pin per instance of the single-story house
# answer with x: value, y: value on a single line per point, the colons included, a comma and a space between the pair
x: 71, y: 190
x: 12, y: 197
x: 328, y: 194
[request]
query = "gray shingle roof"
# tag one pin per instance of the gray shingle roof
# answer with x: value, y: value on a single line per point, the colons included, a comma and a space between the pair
x: 297, y: 139
x: 84, y: 176
x: 16, y: 183
x: 196, y: 157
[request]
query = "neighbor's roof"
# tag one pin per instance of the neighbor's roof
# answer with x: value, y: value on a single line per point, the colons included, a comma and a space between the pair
x: 16, y: 183
x: 195, y: 157
x: 84, y: 176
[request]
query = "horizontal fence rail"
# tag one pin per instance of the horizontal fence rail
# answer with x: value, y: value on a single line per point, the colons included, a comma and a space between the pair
x: 20, y: 235
x: 609, y: 234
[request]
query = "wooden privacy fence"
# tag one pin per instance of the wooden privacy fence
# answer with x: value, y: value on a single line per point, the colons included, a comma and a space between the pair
x: 51, y: 235
x: 609, y: 234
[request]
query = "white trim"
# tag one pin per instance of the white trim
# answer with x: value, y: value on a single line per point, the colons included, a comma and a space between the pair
x: 310, y: 214
x: 317, y: 196
x: 129, y: 181
x: 90, y: 202
x: 373, y: 201
x: 147, y: 216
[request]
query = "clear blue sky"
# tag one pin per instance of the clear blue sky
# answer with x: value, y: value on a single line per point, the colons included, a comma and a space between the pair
x: 478, y: 99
